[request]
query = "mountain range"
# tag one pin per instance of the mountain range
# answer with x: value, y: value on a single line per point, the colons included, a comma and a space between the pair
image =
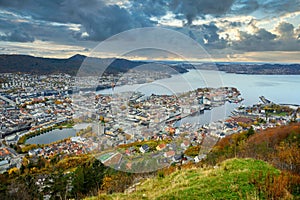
x: 39, y: 65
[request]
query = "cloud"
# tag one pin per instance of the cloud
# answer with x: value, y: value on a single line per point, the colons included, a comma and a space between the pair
x: 211, y: 36
x: 150, y: 8
x: 263, y: 40
x: 244, y: 6
x: 98, y: 19
x: 286, y: 30
x: 191, y: 9
x: 207, y: 35
x: 232, y: 24
x: 298, y: 33
x: 217, y: 26
x: 276, y: 7
x: 17, y: 36
x: 110, y: 20
x: 37, y: 30
x: 267, y: 8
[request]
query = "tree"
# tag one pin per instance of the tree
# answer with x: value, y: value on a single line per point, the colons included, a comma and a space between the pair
x: 88, y: 178
x: 101, y: 119
x: 60, y: 185
x: 250, y: 132
x: 78, y: 182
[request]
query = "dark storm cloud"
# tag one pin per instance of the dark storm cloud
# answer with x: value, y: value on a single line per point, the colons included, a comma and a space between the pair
x: 6, y: 26
x: 150, y: 8
x: 266, y: 7
x: 109, y: 21
x: 17, y: 36
x: 101, y: 20
x: 42, y: 10
x: 210, y: 32
x: 277, y: 7
x: 40, y: 30
x: 191, y: 9
x: 207, y: 35
x: 211, y: 35
x: 81, y: 22
x: 97, y: 18
x: 286, y: 30
x: 244, y: 6
x: 263, y: 40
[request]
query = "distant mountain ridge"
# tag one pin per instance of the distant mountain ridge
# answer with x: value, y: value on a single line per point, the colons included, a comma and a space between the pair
x: 78, y: 57
x: 39, y: 65
x: 247, y: 68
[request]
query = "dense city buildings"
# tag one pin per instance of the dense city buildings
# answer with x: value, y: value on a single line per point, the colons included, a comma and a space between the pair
x: 126, y: 130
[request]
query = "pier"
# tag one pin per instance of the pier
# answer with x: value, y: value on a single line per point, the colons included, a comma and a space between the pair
x: 264, y: 100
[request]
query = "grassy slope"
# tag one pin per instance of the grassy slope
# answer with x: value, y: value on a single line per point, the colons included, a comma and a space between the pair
x: 231, y: 180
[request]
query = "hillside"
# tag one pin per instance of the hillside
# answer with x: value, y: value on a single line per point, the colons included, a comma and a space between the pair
x: 232, y: 179
x: 38, y: 65
x: 247, y: 166
x: 279, y: 146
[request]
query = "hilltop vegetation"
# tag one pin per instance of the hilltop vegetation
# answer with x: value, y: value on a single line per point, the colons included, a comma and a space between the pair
x: 232, y: 179
x: 247, y: 165
x: 279, y: 146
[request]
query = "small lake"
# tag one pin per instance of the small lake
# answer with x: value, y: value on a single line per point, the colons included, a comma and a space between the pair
x: 52, y: 136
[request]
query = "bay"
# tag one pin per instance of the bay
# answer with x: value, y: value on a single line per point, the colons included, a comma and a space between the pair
x: 277, y: 88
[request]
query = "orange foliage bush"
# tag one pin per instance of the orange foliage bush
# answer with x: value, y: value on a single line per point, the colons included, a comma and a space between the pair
x: 279, y: 146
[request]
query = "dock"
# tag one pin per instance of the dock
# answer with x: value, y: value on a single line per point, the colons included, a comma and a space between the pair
x: 264, y: 100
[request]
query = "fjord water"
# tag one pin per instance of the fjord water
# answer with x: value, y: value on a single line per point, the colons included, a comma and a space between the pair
x: 277, y: 88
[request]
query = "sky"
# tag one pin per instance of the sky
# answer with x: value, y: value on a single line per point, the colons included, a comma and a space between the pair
x: 228, y: 30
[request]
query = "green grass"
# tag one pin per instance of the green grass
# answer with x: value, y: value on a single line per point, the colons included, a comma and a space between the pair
x: 281, y: 114
x: 105, y: 156
x: 232, y: 179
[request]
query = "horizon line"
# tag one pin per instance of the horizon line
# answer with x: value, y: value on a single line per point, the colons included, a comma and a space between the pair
x: 157, y: 60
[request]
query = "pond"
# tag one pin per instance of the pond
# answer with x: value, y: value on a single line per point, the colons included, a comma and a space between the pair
x: 52, y: 136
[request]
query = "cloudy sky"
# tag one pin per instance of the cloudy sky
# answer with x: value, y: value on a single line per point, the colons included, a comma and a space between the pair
x: 229, y: 30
